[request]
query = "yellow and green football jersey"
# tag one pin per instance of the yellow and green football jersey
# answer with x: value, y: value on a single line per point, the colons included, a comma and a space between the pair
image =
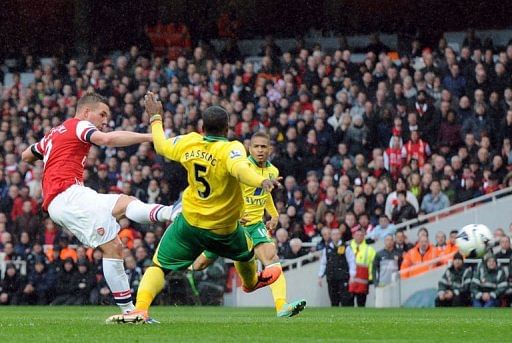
x: 213, y: 199
x: 256, y: 200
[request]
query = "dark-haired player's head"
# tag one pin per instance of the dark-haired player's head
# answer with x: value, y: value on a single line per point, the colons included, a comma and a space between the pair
x: 215, y: 121
x: 93, y: 108
x: 260, y: 147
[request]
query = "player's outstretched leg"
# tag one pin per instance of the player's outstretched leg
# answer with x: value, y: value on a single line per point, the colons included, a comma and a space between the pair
x: 267, y: 254
x: 140, y: 212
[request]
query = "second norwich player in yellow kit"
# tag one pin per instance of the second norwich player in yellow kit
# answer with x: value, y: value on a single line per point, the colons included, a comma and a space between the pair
x: 256, y: 201
x: 212, y: 207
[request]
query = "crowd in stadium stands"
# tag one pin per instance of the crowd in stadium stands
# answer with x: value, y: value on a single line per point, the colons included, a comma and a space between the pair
x: 362, y: 147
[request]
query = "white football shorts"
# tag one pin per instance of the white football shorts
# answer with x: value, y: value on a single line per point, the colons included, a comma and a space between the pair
x: 86, y: 214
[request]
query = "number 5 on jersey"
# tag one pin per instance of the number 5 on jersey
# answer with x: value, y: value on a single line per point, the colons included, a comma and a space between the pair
x: 199, y: 172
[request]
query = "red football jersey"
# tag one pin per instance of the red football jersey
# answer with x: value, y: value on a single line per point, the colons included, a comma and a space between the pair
x: 64, y: 150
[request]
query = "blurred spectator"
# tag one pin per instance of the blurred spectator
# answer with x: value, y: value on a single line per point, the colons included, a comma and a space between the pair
x: 11, y: 286
x: 392, y: 198
x: 468, y: 190
x: 86, y: 282
x: 435, y: 200
x: 443, y: 246
x: 360, y: 257
x: 27, y: 222
x: 283, y: 248
x: 387, y: 262
x: 403, y: 210
x: 40, y: 283
x: 296, y: 249
x: 416, y: 149
x: 66, y: 286
x: 382, y: 230
x: 401, y: 243
x: 24, y: 246
x: 504, y: 249
x: 325, y: 234
x: 334, y: 266
x: 488, y: 284
x: 329, y: 203
x: 422, y: 252
x: 453, y: 289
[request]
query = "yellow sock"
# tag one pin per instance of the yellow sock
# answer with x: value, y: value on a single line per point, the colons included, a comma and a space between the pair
x: 279, y: 291
x: 151, y: 284
x: 247, y: 272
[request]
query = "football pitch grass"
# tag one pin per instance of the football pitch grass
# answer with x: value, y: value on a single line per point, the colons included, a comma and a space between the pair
x: 220, y: 324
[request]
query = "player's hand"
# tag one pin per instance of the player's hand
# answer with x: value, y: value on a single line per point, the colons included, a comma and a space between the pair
x: 319, y: 282
x: 153, y: 105
x: 272, y: 224
x: 268, y: 185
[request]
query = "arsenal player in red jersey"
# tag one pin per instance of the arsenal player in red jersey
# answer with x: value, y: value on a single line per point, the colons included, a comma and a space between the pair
x: 91, y: 217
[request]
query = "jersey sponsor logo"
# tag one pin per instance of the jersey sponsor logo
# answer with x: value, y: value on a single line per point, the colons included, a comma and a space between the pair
x: 255, y: 201
x: 234, y: 154
x: 100, y: 231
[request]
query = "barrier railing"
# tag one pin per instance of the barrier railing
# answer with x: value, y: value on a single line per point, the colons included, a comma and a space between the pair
x: 461, y: 207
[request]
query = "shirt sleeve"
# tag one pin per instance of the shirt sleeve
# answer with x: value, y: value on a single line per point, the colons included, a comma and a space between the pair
x: 38, y: 148
x: 169, y: 148
x: 270, y: 206
x: 238, y: 166
x: 84, y: 131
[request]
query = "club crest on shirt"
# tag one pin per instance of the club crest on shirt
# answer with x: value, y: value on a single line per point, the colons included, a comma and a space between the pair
x: 175, y: 140
x: 235, y: 154
x: 100, y: 231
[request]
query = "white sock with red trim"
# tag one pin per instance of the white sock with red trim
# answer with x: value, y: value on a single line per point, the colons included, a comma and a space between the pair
x: 147, y: 214
x: 117, y: 280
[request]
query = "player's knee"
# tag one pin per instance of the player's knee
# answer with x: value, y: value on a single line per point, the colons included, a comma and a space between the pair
x: 113, y: 249
x: 119, y: 209
x: 267, y: 254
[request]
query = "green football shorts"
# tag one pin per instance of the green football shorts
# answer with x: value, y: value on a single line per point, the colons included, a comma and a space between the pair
x: 182, y: 243
x: 258, y: 233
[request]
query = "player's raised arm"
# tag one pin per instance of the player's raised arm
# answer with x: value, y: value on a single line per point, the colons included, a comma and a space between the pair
x: 154, y: 108
x: 119, y: 138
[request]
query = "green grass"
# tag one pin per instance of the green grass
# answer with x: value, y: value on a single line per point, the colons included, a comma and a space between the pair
x: 217, y: 324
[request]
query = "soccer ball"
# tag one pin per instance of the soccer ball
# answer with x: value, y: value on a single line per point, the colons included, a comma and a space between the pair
x: 472, y: 240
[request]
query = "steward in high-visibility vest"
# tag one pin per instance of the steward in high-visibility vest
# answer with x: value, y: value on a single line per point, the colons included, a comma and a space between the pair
x: 360, y: 258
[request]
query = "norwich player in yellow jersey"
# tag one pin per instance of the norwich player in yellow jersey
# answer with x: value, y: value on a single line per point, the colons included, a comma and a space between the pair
x: 256, y: 201
x: 212, y: 206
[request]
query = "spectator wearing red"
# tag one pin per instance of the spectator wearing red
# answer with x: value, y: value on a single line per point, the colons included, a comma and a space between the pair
x: 309, y: 226
x: 416, y: 149
x: 27, y: 221
x: 393, y: 159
